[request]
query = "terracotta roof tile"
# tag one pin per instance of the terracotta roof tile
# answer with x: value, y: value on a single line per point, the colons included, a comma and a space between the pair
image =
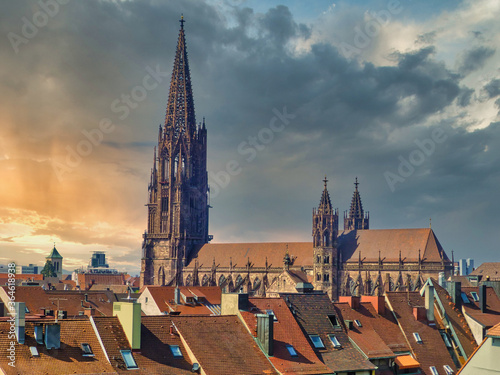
x: 222, y: 345
x: 365, y: 337
x: 492, y: 315
x: 312, y: 313
x: 494, y: 332
x: 432, y: 351
x: 390, y: 241
x: 286, y: 332
x: 155, y: 356
x: 70, y: 301
x: 491, y: 269
x: 164, y: 298
x: 301, y: 252
x: 66, y: 360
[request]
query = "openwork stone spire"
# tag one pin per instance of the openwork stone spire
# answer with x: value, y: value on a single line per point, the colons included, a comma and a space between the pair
x: 356, y: 218
x: 325, y: 205
x: 180, y: 118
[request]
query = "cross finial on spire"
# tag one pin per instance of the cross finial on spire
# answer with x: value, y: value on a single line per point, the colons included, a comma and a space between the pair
x: 325, y: 181
x: 430, y: 222
x: 356, y: 183
x: 182, y: 21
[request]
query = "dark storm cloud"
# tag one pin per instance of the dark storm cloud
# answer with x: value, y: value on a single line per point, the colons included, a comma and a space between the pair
x: 492, y: 88
x: 474, y: 59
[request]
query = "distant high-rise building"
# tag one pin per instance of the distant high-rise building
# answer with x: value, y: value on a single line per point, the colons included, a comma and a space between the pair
x: 465, y: 266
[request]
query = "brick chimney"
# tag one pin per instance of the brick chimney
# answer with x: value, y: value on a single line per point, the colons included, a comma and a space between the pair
x: 420, y: 313
x: 378, y: 303
x: 353, y: 301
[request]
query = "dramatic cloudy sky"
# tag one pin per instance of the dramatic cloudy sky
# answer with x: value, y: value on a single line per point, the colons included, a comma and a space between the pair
x: 358, y: 86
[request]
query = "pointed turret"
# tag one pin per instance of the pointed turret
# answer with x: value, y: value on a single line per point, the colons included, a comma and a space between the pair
x: 356, y: 218
x: 180, y: 118
x: 325, y: 229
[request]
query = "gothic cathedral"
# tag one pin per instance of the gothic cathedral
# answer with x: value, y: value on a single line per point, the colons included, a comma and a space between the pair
x: 177, y: 207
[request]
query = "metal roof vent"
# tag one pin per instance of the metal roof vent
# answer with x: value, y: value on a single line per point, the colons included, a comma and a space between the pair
x: 20, y: 311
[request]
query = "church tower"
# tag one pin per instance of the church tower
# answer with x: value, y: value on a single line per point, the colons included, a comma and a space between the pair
x: 178, y: 188
x: 356, y: 218
x: 325, y: 230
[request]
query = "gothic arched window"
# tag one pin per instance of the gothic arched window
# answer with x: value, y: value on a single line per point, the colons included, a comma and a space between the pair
x: 204, y: 281
x: 188, y: 280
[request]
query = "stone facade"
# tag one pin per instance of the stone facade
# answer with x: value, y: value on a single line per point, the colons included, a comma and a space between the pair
x: 176, y: 248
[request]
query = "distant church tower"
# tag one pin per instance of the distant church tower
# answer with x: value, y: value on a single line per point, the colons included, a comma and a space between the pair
x: 56, y: 259
x: 177, y: 206
x: 325, y: 230
x: 356, y: 218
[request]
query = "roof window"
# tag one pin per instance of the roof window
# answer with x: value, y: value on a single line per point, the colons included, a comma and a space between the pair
x: 316, y: 340
x: 292, y: 351
x: 358, y: 323
x: 128, y: 359
x: 34, y: 351
x: 475, y: 297
x: 465, y: 299
x: 176, y: 351
x: 448, y: 369
x: 417, y: 337
x: 87, y: 350
x: 335, y: 341
x: 433, y: 370
x: 446, y: 339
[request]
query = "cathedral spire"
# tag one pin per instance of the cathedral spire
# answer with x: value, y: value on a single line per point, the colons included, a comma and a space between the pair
x: 180, y: 117
x: 356, y: 218
x: 325, y: 205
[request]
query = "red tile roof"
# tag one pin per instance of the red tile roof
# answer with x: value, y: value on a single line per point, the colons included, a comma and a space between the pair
x: 312, y: 313
x: 222, y: 345
x: 70, y: 301
x: 390, y: 242
x: 239, y: 253
x: 164, y: 298
x: 366, y: 337
x: 85, y: 280
x: 433, y: 351
x: 66, y: 360
x: 286, y: 332
x: 491, y: 269
x: 155, y: 356
x: 494, y: 332
x: 492, y: 314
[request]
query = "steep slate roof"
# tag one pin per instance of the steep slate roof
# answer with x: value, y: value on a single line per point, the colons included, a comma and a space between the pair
x: 69, y: 300
x: 491, y: 269
x: 286, y: 332
x: 311, y: 313
x: 222, y: 345
x: 66, y: 360
x: 433, y: 351
x: 239, y: 253
x: 390, y: 242
x: 492, y: 315
x: 456, y: 318
x: 365, y: 337
x: 155, y: 356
